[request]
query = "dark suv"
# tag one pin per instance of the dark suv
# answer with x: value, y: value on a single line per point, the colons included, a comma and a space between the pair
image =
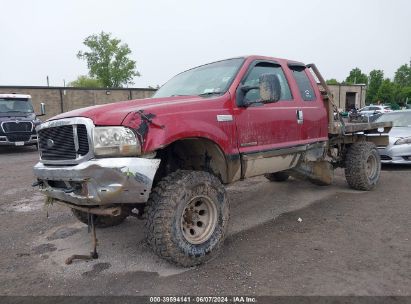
x: 18, y: 121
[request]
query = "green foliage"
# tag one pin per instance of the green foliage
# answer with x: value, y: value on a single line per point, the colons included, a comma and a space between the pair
x: 403, y: 76
x: 375, y: 80
x: 83, y: 81
x: 108, y: 61
x: 405, y: 95
x: 356, y: 77
x: 380, y: 90
x: 332, y: 81
x: 395, y: 106
x: 386, y: 91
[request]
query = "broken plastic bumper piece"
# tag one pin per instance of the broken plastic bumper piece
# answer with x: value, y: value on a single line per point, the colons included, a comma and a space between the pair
x: 99, y: 181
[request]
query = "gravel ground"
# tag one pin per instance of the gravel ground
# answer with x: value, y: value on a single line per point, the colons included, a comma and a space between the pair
x: 348, y: 243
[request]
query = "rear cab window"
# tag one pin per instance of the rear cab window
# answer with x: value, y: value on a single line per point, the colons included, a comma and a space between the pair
x: 305, y: 87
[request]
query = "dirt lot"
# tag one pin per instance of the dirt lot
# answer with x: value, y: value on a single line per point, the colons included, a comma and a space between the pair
x: 348, y: 243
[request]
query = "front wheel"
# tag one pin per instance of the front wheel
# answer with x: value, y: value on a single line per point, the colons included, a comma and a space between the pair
x: 362, y: 166
x: 187, y: 217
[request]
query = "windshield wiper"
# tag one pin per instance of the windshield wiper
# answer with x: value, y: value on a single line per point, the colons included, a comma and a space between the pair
x: 211, y: 93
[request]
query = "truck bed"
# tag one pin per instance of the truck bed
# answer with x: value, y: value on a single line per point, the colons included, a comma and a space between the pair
x: 366, y: 127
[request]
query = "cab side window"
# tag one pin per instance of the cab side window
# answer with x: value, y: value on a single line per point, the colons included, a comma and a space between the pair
x: 304, y: 84
x: 253, y: 79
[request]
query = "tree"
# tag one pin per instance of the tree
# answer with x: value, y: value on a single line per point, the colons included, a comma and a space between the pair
x: 108, y: 61
x: 403, y: 76
x: 405, y: 95
x: 86, y: 82
x: 356, y: 77
x: 375, y: 80
x: 332, y: 81
x: 386, y: 91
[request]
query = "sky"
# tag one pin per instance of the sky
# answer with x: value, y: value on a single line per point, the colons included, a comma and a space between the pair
x: 41, y: 38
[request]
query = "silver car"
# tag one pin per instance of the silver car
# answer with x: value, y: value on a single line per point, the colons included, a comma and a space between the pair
x: 372, y: 110
x: 398, y: 150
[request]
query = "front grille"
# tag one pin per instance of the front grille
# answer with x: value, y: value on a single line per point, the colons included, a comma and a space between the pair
x: 17, y: 126
x: 385, y: 157
x: 18, y: 137
x: 59, y: 143
x: 82, y: 139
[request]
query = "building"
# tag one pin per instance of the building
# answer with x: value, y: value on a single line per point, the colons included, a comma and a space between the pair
x: 63, y: 99
x: 348, y: 96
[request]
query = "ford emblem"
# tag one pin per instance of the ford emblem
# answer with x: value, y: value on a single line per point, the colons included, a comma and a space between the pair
x: 50, y: 143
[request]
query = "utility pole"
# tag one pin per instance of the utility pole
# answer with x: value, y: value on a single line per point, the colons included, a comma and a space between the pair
x: 48, y: 83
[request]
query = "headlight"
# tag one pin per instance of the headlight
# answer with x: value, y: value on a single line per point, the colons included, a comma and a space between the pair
x: 115, y: 141
x: 403, y: 141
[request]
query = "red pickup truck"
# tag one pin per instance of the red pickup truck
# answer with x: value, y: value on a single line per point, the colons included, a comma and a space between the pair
x: 166, y: 158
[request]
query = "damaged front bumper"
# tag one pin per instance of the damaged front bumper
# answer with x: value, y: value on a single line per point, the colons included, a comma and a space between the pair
x: 103, y: 181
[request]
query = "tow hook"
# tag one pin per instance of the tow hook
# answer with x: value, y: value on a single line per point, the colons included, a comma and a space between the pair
x: 93, y: 255
x: 70, y: 190
x: 37, y: 183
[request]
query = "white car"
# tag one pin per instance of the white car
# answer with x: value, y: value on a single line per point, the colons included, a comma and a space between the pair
x: 372, y: 110
x: 398, y: 150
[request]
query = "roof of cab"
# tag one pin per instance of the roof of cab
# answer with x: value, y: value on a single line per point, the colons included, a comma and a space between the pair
x: 259, y: 57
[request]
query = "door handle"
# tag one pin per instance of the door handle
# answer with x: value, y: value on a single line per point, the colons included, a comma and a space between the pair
x: 300, y: 117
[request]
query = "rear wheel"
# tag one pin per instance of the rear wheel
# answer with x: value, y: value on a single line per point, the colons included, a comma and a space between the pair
x: 277, y: 177
x: 362, y: 166
x: 101, y: 221
x: 187, y: 217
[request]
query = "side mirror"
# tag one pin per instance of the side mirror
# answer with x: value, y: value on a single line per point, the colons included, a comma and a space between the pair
x: 42, y: 109
x: 270, y: 88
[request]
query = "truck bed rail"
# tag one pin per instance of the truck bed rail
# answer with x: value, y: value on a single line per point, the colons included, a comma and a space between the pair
x: 367, y: 127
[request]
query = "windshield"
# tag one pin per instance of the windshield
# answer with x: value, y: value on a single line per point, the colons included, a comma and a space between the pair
x: 399, y: 119
x: 209, y: 79
x: 15, y: 105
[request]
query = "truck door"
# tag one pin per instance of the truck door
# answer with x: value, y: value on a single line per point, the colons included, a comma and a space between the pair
x: 265, y: 131
x: 312, y: 115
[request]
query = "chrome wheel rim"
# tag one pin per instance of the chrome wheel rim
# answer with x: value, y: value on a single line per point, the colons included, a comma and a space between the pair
x: 371, y: 166
x: 199, y: 219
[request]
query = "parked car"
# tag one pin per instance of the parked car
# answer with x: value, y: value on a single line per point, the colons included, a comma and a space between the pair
x: 399, y: 149
x: 372, y: 110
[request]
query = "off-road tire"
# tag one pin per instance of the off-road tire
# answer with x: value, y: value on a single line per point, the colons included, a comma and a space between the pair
x: 277, y: 177
x: 362, y: 166
x: 100, y: 221
x: 168, y: 202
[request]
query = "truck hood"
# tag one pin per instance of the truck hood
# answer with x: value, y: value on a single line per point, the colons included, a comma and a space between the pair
x: 113, y: 114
